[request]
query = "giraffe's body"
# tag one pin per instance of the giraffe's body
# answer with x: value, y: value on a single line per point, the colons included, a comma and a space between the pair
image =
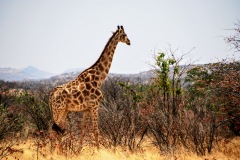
x: 83, y: 93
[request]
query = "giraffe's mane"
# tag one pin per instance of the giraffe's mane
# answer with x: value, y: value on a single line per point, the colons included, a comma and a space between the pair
x: 110, y: 39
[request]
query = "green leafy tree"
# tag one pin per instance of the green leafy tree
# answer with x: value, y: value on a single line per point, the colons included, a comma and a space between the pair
x: 168, y: 81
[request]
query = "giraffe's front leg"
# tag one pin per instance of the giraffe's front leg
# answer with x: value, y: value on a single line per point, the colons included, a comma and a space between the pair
x: 94, y: 114
x: 84, y: 123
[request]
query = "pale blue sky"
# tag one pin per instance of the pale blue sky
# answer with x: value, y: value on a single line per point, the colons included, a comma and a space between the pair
x: 55, y: 35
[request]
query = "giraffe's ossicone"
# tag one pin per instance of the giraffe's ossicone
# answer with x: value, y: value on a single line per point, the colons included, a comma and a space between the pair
x: 84, y: 93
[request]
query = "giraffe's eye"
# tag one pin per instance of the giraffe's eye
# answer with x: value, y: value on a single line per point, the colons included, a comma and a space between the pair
x: 123, y: 36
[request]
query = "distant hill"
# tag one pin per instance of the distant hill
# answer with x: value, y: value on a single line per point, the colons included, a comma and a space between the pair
x: 32, y: 73
x: 28, y: 73
x: 74, y: 70
x: 142, y: 77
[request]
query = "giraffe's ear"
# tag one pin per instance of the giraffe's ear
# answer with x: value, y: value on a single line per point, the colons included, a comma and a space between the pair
x: 113, y: 32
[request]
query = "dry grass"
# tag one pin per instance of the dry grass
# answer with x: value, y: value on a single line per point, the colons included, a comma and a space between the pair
x: 225, y: 151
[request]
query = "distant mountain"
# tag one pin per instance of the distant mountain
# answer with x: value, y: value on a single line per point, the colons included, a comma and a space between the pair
x: 30, y: 72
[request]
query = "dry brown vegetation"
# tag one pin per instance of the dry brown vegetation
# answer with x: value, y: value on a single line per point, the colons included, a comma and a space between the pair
x: 185, y: 112
x: 27, y: 151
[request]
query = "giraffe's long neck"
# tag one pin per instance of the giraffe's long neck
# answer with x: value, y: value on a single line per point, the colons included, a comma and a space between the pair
x: 103, y: 64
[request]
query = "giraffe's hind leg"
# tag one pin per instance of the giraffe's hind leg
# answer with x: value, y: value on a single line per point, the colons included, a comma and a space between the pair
x: 59, y: 117
x: 57, y: 131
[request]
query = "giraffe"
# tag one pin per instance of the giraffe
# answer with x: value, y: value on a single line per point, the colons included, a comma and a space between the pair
x: 84, y: 93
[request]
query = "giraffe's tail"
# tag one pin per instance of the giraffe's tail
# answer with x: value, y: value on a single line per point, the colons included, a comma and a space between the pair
x: 58, y: 129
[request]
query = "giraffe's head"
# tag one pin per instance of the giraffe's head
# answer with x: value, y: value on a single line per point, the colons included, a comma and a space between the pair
x: 122, y: 36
